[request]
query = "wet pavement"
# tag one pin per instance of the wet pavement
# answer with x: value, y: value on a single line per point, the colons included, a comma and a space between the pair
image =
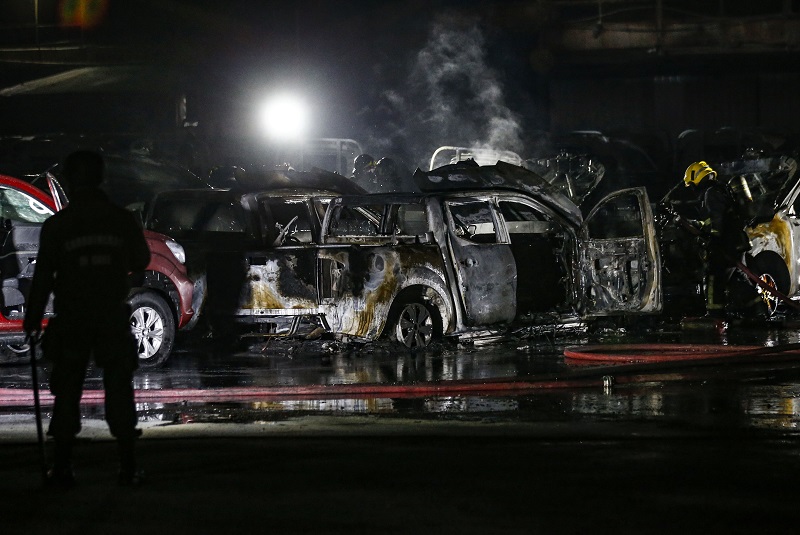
x: 688, y: 449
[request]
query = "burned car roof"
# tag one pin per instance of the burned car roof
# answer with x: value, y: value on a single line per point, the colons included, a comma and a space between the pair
x: 190, y: 212
x: 281, y: 179
x: 468, y: 175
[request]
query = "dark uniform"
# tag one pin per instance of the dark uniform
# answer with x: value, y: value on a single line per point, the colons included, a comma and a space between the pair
x: 86, y: 253
x: 727, y: 241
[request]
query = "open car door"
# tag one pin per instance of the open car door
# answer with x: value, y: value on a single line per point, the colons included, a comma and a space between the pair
x: 620, y: 261
x: 484, y: 264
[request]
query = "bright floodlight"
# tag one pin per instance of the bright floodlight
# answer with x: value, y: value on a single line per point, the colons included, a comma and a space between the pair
x: 284, y: 118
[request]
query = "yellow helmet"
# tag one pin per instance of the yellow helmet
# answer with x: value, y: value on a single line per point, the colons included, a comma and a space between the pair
x: 696, y: 172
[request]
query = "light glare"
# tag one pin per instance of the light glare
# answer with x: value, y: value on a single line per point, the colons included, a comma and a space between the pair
x: 284, y: 118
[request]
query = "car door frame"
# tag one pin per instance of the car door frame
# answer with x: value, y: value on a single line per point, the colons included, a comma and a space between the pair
x: 485, y: 281
x: 620, y: 256
x: 275, y: 280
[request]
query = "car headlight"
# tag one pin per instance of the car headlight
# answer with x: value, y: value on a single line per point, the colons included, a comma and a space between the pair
x: 177, y: 250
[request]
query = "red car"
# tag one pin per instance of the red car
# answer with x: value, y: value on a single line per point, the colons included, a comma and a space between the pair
x: 161, y: 298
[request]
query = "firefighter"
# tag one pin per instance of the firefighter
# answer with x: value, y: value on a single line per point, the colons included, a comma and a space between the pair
x: 364, y: 172
x: 87, y: 251
x: 387, y: 175
x: 723, y: 229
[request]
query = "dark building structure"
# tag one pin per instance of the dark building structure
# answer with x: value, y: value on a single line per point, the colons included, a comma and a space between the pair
x: 652, y: 69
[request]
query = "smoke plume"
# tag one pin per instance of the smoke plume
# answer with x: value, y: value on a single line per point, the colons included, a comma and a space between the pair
x: 451, y: 96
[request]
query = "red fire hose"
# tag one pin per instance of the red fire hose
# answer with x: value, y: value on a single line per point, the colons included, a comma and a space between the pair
x: 652, y: 353
x: 629, y: 364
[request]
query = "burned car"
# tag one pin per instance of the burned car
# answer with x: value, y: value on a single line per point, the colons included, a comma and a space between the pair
x: 480, y: 250
x: 233, y: 237
x: 766, y: 190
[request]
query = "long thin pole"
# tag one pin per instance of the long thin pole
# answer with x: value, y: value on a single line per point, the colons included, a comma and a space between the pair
x: 38, y: 410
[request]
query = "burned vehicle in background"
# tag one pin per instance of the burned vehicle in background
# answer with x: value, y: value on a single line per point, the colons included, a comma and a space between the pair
x: 227, y: 233
x: 766, y: 190
x: 482, y: 249
x: 575, y: 174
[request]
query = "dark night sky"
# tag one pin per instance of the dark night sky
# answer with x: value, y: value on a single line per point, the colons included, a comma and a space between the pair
x: 374, y: 70
x: 394, y: 74
x: 399, y: 75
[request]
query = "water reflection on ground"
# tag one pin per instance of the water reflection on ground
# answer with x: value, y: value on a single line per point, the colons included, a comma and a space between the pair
x: 757, y: 400
x: 770, y: 402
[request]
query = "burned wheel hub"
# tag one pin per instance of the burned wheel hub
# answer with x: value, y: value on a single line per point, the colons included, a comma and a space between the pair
x: 414, y: 326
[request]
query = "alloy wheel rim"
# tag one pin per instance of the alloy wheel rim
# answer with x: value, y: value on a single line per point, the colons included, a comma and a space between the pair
x: 148, y: 329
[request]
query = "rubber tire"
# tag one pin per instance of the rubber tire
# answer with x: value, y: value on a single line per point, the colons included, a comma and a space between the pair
x: 770, y: 262
x: 153, y: 309
x: 405, y: 326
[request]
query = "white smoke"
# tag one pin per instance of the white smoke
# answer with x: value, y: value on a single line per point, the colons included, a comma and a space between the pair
x: 450, y: 97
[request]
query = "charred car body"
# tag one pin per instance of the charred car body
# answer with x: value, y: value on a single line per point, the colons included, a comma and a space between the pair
x: 766, y: 190
x: 481, y: 249
x: 771, y: 186
x: 235, y: 237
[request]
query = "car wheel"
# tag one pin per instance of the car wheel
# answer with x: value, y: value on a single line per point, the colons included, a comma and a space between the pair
x: 19, y: 349
x: 416, y: 325
x: 153, y: 327
x: 771, y: 269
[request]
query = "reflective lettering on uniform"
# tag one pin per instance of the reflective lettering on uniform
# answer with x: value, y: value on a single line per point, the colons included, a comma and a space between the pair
x: 94, y: 260
x: 95, y: 240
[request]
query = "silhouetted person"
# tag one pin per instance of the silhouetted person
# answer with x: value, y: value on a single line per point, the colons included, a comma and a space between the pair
x: 86, y: 252
x: 722, y: 227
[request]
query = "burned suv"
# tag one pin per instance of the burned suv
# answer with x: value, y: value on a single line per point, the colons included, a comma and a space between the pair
x: 482, y: 249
